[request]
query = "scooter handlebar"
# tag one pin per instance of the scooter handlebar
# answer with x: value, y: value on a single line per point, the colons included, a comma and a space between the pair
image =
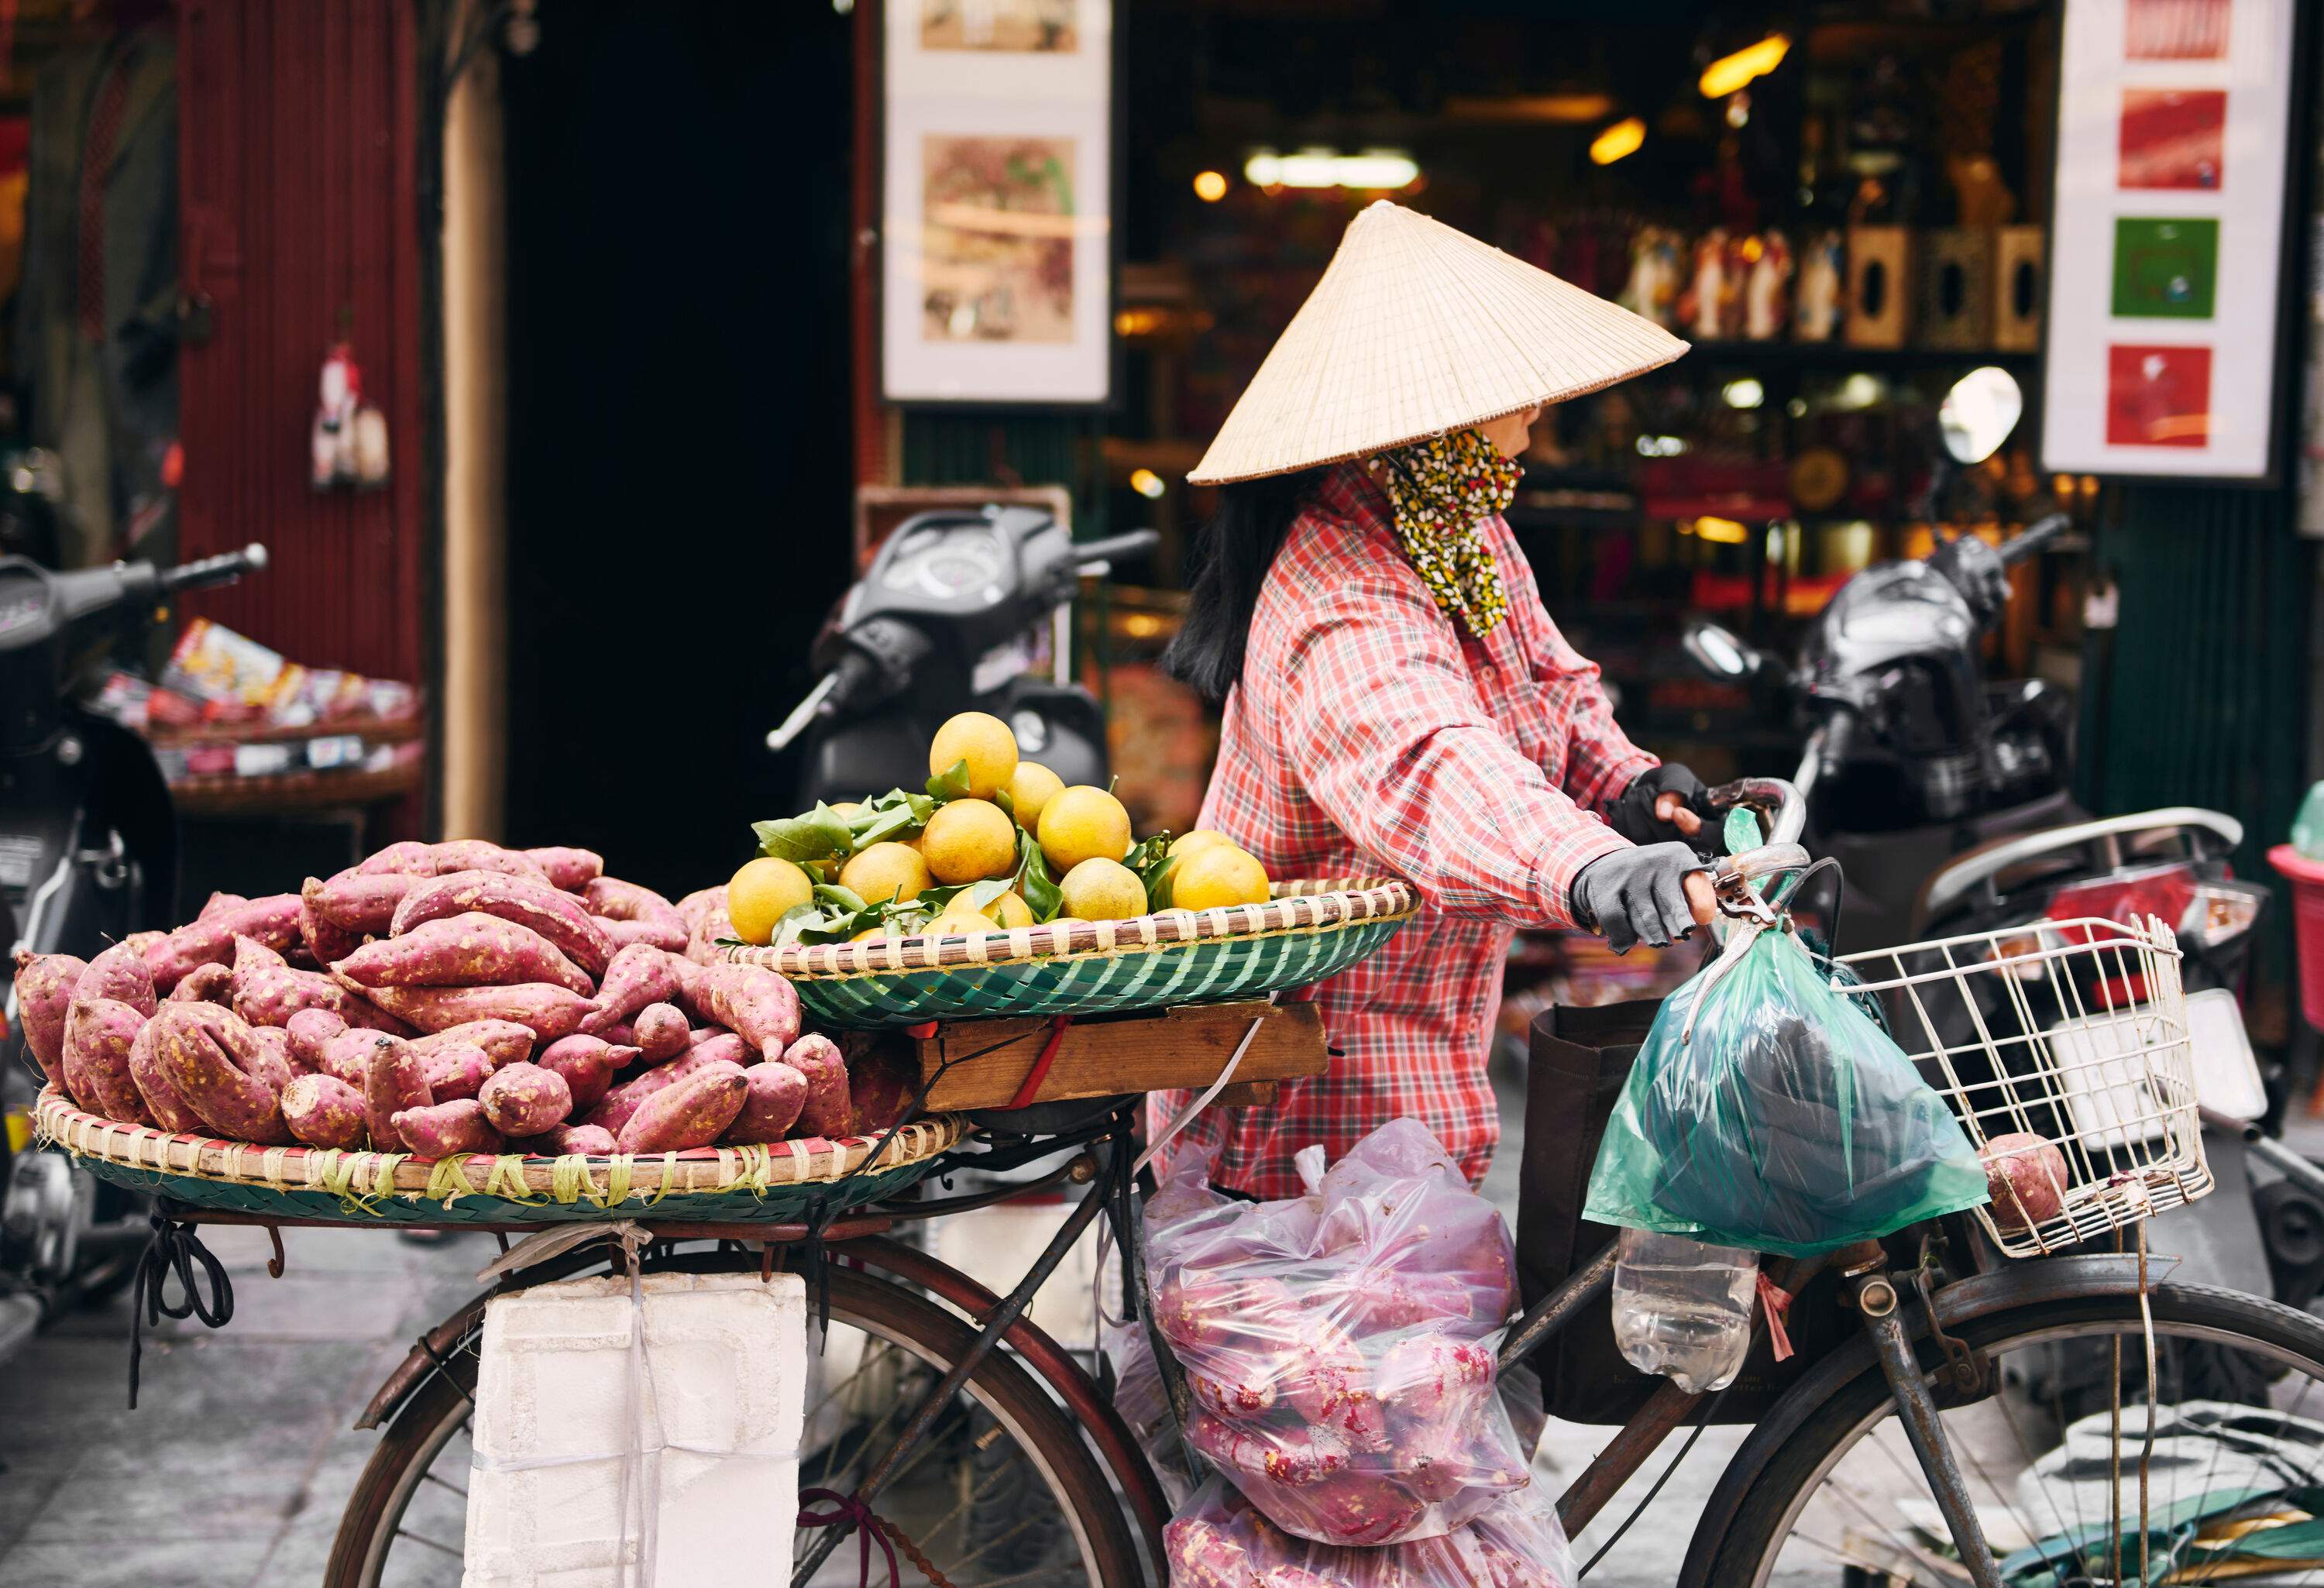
x: 222, y: 570
x: 1113, y: 548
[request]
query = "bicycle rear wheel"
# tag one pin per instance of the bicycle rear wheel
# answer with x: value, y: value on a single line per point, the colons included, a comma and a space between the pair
x: 1002, y: 1491
x: 1843, y: 1503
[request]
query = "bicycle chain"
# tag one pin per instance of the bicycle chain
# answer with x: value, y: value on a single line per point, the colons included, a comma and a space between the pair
x: 912, y: 1552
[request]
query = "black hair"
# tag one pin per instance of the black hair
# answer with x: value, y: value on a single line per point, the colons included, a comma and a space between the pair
x: 1253, y: 520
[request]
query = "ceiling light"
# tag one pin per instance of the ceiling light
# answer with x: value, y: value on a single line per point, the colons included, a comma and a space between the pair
x: 1725, y: 75
x: 1746, y: 393
x: 1210, y: 186
x: 1726, y: 532
x: 1621, y: 139
x: 1374, y: 169
x: 1145, y: 482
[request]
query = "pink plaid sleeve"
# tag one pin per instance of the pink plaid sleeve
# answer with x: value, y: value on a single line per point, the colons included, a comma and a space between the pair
x: 1387, y: 731
x: 1600, y: 759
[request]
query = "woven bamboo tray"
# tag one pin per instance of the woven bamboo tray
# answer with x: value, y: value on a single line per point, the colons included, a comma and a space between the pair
x: 1309, y: 931
x: 786, y: 1183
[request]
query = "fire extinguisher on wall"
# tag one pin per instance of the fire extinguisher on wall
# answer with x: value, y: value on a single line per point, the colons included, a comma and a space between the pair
x: 348, y: 442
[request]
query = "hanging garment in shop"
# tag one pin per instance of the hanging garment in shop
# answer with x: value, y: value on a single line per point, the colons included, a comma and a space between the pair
x: 97, y: 329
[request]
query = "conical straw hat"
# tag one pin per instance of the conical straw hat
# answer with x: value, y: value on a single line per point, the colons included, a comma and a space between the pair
x: 1416, y: 330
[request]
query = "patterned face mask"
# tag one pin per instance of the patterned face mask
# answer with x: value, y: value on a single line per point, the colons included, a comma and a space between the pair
x: 1442, y: 488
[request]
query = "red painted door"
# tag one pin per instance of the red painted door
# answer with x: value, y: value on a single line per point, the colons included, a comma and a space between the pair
x: 296, y: 173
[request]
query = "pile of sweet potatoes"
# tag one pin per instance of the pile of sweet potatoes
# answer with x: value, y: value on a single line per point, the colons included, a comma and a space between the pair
x: 442, y: 998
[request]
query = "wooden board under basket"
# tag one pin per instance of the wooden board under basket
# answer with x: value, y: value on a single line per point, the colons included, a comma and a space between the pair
x: 1106, y: 1056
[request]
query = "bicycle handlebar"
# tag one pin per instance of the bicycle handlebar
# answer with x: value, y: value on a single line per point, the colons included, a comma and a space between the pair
x: 1129, y: 543
x: 2038, y: 534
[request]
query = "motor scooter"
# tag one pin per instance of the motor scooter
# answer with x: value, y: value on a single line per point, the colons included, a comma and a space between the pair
x: 960, y: 611
x: 1911, y: 756
x: 89, y: 848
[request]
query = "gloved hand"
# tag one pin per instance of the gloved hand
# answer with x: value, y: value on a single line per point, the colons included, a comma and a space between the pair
x: 1662, y: 803
x: 1649, y: 894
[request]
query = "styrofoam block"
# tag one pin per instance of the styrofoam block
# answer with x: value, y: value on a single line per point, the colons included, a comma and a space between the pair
x: 723, y: 1392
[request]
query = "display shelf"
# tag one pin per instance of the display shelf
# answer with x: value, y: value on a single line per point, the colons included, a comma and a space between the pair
x: 1842, y: 357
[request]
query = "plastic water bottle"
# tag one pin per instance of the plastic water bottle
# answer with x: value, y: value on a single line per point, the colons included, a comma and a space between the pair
x: 1682, y: 1308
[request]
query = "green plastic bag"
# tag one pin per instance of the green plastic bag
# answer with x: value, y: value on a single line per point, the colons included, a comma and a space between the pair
x: 2308, y: 826
x: 1767, y: 1110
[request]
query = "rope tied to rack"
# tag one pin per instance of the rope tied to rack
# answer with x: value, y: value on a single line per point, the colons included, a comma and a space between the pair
x: 174, y: 1249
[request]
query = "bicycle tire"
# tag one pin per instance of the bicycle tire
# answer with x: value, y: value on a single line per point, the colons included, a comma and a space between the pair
x: 435, y: 1411
x: 1746, y: 1546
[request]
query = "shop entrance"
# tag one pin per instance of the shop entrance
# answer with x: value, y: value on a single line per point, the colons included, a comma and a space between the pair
x: 678, y: 399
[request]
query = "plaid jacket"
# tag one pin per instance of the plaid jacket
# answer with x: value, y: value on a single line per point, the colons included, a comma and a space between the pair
x: 1370, y: 735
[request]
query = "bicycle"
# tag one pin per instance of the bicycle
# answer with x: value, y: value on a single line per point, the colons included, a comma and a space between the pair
x: 986, y: 1452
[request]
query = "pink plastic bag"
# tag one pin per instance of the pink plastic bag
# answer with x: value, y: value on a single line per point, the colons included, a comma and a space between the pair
x: 1339, y: 1345
x: 1219, y: 1540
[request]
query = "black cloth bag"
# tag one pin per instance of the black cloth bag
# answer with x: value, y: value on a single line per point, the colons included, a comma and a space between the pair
x: 1578, y: 1062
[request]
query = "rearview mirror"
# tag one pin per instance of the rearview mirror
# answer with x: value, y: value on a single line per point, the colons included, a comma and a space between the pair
x: 1979, y: 413
x: 1720, y: 652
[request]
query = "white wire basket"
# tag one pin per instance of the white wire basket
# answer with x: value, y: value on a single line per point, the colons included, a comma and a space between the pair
x: 2061, y: 1047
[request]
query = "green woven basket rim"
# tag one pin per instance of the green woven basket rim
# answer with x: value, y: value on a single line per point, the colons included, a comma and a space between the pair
x: 356, y: 1181
x: 1301, y: 905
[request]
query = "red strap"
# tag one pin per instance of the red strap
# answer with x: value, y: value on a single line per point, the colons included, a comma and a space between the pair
x: 1776, y: 1302
x: 1040, y: 1070
x: 921, y: 1032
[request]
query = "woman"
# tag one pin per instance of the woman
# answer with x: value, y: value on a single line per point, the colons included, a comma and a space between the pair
x: 1397, y: 699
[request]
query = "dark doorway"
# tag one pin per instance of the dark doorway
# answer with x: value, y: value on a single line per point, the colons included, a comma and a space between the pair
x: 678, y: 468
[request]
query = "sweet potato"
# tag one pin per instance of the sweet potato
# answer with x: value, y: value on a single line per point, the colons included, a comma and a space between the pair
x: 526, y: 901
x: 194, y: 944
x: 233, y: 1104
x: 323, y: 1110
x: 119, y: 973
x: 694, y: 1113
x: 567, y: 870
x: 169, y: 1110
x: 365, y: 901
x: 547, y: 1011
x: 395, y: 1080
x: 308, y: 1031
x: 476, y: 854
x: 637, y: 975
x: 205, y: 984
x: 593, y: 1139
x: 755, y: 1002
x: 267, y: 991
x: 725, y: 1047
x: 709, y: 929
x: 587, y: 1064
x: 660, y: 1032
x: 99, y: 1032
x: 447, y: 1129
x: 649, y: 918
x: 771, y: 1107
x: 829, y: 1113
x: 409, y: 857
x: 44, y: 996
x: 2025, y: 1179
x: 324, y: 940
x: 526, y: 1099
x: 217, y: 904
x: 272, y: 921
x: 347, y: 1056
x: 470, y: 950
x: 503, y: 1041
x: 879, y: 1092
x: 264, y: 1052
x: 614, y: 1109
x: 699, y: 903
x: 458, y: 1071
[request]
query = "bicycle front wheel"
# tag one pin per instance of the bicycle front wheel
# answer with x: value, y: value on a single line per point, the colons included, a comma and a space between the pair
x: 1002, y: 1489
x: 2051, y: 1455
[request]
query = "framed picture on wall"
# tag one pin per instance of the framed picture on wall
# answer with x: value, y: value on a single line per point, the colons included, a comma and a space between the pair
x: 997, y: 247
x: 2166, y: 338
